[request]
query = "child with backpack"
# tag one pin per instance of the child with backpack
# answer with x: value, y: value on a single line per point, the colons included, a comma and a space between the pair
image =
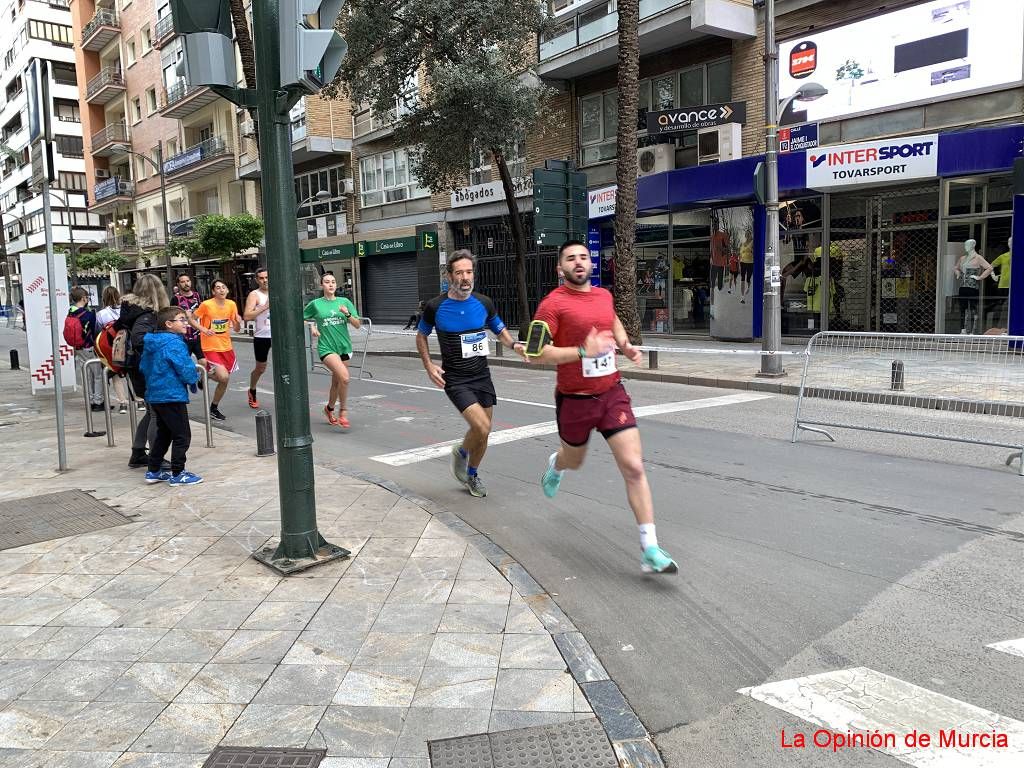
x: 104, y: 318
x: 169, y: 373
x: 80, y: 334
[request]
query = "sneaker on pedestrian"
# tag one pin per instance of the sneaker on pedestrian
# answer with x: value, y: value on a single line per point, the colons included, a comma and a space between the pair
x: 459, y: 465
x: 253, y: 402
x: 216, y: 414
x: 184, y: 478
x: 656, y: 560
x: 552, y: 477
x: 141, y: 406
x: 476, y: 486
x: 343, y: 421
x: 98, y: 407
x: 122, y: 408
x: 157, y: 477
x: 329, y: 413
x: 137, y: 460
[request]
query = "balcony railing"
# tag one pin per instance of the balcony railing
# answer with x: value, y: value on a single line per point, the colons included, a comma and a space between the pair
x: 197, y: 153
x: 587, y: 26
x: 151, y: 238
x: 113, y: 187
x: 115, y: 132
x: 123, y: 242
x: 100, y: 30
x: 164, y: 29
x: 108, y: 76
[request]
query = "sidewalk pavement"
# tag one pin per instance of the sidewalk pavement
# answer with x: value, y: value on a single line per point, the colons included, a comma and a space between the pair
x: 152, y: 642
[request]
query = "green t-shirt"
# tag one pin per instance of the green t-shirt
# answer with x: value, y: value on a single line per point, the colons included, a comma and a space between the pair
x: 332, y: 324
x: 1002, y: 263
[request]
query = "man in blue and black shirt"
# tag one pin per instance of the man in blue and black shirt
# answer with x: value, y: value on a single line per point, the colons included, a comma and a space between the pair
x: 462, y: 319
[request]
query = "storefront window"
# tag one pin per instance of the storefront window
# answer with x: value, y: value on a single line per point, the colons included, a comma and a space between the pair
x: 800, y: 257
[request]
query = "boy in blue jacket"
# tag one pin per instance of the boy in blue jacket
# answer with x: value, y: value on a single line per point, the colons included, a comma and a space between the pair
x: 169, y: 373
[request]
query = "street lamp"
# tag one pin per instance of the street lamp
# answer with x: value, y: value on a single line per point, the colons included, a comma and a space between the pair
x: 806, y: 92
x: 159, y: 165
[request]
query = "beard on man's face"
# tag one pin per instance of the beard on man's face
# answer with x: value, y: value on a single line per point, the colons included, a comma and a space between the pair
x: 576, y: 277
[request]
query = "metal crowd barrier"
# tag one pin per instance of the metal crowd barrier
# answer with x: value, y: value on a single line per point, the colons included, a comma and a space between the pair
x: 961, y: 388
x: 204, y: 377
x: 87, y: 393
x: 313, y: 360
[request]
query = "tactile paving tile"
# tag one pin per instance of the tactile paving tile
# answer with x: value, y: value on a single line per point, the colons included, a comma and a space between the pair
x: 465, y: 752
x: 258, y: 757
x: 579, y: 744
x: 54, y: 516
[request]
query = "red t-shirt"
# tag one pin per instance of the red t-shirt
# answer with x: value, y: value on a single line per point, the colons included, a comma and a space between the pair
x: 570, y: 315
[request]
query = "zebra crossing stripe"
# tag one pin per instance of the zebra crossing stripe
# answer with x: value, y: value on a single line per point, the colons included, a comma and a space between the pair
x: 1013, y: 647
x: 860, y: 708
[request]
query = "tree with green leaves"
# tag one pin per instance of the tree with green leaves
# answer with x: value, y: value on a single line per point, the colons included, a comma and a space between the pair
x: 479, y: 94
x: 625, y: 168
x: 104, y: 259
x: 224, y: 236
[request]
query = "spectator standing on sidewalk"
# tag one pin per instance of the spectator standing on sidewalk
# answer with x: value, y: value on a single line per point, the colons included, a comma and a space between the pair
x: 80, y: 333
x: 169, y: 373
x: 110, y: 312
x: 138, y: 317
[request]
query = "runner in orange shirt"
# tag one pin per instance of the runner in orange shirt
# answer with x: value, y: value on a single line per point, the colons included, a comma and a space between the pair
x: 218, y: 317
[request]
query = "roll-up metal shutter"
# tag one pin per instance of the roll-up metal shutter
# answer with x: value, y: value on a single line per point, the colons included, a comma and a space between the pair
x: 391, y: 288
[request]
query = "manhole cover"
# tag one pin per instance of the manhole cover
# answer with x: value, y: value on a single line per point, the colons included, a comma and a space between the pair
x: 53, y: 516
x: 579, y: 744
x: 256, y: 757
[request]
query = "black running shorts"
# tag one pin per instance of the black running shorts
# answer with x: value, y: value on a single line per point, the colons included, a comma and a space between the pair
x: 466, y: 393
x: 261, y: 348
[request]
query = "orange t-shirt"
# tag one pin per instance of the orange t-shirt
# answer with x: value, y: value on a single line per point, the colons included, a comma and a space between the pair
x: 220, y: 320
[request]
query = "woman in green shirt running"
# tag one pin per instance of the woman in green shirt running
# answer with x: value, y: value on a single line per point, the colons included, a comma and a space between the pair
x: 329, y: 318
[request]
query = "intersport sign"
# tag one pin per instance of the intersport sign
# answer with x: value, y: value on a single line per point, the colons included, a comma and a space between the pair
x: 873, y: 162
x: 692, y: 118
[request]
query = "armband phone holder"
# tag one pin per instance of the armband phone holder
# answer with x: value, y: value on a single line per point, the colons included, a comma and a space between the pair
x: 537, y: 337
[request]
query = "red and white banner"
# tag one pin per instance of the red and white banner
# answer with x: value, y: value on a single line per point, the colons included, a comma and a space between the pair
x: 37, y: 321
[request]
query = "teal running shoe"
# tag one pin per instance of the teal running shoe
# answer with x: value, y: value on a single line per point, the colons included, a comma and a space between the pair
x: 459, y: 465
x: 656, y: 560
x: 552, y: 477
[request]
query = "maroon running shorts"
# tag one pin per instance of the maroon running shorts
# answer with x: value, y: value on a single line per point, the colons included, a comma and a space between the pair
x: 579, y: 415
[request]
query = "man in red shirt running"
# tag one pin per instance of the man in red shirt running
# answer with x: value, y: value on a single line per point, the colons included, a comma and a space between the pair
x: 589, y: 394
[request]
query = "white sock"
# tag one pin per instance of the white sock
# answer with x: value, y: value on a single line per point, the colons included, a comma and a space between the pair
x: 648, y: 538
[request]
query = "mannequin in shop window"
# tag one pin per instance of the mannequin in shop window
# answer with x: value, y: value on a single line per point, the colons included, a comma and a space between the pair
x: 970, y: 271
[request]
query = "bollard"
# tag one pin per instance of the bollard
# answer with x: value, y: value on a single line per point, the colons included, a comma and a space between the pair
x: 897, y: 376
x: 499, y: 348
x: 86, y: 391
x: 15, y: 366
x: 264, y: 434
x: 652, y: 360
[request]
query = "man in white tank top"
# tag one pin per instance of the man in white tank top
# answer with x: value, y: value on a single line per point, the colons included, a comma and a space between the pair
x: 257, y: 309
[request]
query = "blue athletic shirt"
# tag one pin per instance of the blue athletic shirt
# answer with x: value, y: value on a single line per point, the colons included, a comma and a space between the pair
x: 452, y: 319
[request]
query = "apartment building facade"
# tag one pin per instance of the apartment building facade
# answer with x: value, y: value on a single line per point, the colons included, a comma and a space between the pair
x: 34, y: 31
x: 871, y: 249
x: 141, y: 116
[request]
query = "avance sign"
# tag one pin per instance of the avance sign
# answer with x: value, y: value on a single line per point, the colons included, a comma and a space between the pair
x: 890, y: 160
x: 692, y: 118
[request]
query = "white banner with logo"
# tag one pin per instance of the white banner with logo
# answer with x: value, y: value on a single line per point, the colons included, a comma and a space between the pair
x: 491, y: 192
x: 873, y: 162
x: 37, y: 321
x: 601, y: 202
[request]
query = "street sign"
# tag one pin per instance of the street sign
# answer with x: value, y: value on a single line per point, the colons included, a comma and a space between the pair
x: 691, y: 118
x: 798, y: 137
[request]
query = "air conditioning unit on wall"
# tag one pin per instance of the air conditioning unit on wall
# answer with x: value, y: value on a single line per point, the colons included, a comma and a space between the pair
x: 656, y: 158
x: 247, y: 128
x: 723, y: 142
x: 102, y: 173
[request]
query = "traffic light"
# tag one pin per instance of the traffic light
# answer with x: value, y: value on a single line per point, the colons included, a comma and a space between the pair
x: 311, y: 50
x: 209, y: 48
